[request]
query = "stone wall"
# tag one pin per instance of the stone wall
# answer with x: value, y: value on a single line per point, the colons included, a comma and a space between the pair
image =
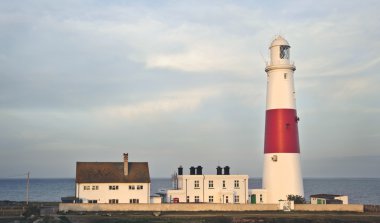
x: 371, y: 208
x: 329, y: 207
x: 205, y: 207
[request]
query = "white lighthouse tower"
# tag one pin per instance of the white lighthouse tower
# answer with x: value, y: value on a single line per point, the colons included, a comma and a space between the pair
x: 282, y: 170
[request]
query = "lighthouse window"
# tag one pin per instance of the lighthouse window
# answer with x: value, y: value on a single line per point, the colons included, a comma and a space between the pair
x: 284, y: 52
x: 285, y: 75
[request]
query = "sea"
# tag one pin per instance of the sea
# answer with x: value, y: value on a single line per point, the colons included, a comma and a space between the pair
x: 359, y: 190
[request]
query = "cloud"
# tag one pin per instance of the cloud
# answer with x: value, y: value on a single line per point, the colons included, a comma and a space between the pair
x: 75, y: 73
x: 353, y: 69
x: 185, y: 101
x: 352, y: 87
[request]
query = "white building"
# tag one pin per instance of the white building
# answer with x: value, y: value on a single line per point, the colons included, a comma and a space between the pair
x: 257, y: 196
x: 328, y: 199
x: 113, y: 182
x: 200, y: 188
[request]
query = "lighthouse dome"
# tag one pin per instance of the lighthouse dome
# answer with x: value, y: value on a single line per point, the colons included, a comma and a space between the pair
x: 279, y: 41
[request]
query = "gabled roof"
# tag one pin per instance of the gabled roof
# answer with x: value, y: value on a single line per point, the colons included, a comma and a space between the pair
x: 112, y: 172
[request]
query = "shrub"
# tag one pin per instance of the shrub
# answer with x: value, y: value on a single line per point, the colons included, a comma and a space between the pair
x: 298, y: 199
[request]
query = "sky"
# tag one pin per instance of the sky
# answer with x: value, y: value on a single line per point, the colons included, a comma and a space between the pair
x: 183, y: 83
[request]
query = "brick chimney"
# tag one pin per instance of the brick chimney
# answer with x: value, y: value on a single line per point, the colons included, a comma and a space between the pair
x: 125, y: 164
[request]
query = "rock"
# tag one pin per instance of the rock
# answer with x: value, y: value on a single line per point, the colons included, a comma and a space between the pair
x: 157, y: 213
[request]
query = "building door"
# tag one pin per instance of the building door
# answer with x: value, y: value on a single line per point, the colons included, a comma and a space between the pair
x: 253, y: 199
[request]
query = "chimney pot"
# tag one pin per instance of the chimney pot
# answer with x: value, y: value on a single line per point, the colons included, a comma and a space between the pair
x: 180, y: 170
x: 226, y: 170
x: 192, y: 170
x: 125, y: 164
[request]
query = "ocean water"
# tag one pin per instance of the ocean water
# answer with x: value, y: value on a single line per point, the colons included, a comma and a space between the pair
x: 359, y: 190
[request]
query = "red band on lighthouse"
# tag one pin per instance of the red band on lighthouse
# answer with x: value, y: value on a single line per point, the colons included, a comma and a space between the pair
x: 281, y: 131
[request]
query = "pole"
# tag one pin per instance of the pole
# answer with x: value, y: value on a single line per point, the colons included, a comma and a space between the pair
x: 27, y: 188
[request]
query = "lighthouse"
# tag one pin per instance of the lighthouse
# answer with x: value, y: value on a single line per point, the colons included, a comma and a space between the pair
x: 282, y: 169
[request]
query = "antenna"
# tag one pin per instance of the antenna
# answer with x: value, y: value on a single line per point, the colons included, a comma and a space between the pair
x: 263, y: 58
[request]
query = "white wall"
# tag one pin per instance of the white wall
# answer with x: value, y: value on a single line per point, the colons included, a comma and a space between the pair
x: 186, y: 184
x: 155, y: 200
x: 314, y: 200
x: 261, y: 195
x: 103, y: 193
x: 282, y: 177
x: 343, y: 198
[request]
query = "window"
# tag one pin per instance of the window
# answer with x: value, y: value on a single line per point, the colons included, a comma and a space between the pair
x: 211, y: 184
x: 261, y: 198
x: 196, y: 199
x: 113, y: 201
x: 284, y: 52
x: 227, y: 199
x: 236, y: 199
x: 92, y: 201
x: 187, y: 199
x: 224, y: 184
x: 285, y: 74
x: 139, y: 187
x: 196, y: 184
x: 134, y: 201
x: 236, y: 183
x: 95, y: 187
x: 113, y: 187
x: 131, y: 187
x: 211, y: 199
x: 86, y: 187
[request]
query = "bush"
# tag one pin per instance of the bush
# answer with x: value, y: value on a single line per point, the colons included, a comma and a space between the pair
x: 298, y: 199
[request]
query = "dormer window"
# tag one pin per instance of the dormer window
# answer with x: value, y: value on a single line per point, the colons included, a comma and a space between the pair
x: 284, y: 52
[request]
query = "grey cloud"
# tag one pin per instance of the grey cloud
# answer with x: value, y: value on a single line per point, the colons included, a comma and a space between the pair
x: 62, y: 64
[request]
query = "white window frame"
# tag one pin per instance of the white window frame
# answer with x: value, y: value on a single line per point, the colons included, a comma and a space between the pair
x: 113, y: 187
x: 196, y: 184
x: 236, y: 184
x: 236, y: 199
x: 113, y: 201
x: 210, y: 184
x: 134, y: 201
